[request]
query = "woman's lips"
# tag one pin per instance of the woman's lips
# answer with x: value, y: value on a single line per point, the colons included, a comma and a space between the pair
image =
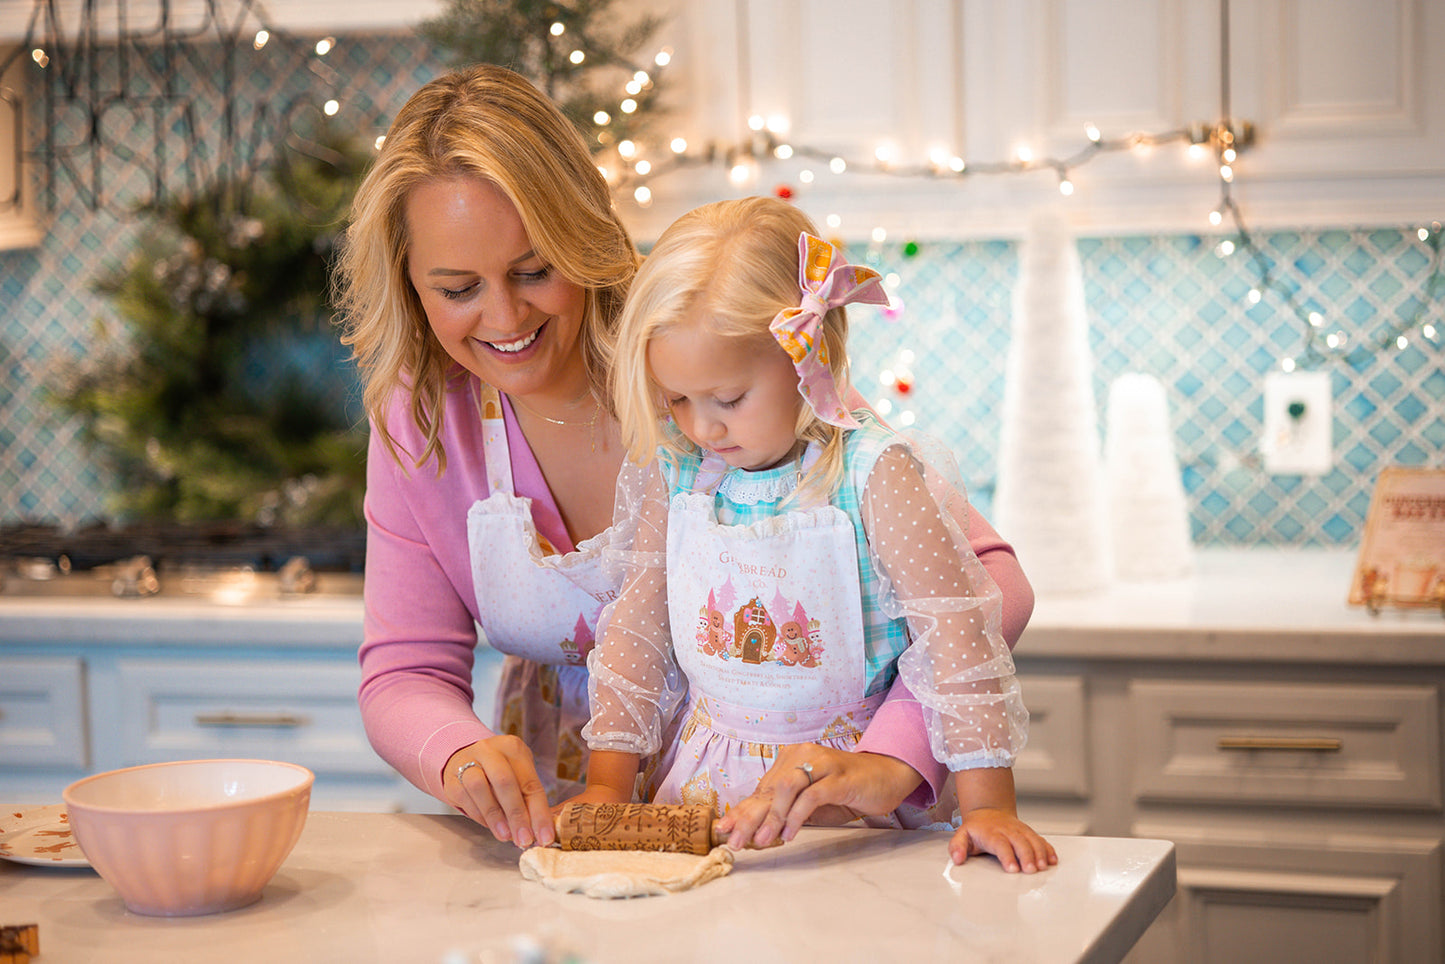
x: 513, y: 347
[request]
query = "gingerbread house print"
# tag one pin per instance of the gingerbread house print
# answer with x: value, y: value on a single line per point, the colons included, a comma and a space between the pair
x: 575, y: 650
x: 753, y: 632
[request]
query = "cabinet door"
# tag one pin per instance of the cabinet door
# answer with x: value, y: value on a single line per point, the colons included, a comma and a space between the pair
x: 42, y: 712
x: 296, y: 711
x: 1245, y: 901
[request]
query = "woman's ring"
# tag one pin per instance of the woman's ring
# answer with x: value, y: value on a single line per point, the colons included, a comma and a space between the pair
x: 463, y: 768
x: 807, y: 769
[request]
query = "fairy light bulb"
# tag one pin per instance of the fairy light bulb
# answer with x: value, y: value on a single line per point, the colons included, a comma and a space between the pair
x: 1402, y: 343
x: 602, y: 118
x: 805, y: 176
x: 664, y: 57
x: 756, y: 122
x: 837, y: 165
x: 1092, y: 133
x: 558, y: 29
x: 324, y: 46
x: 834, y: 221
x: 1226, y: 173
x: 1316, y: 319
x: 643, y: 168
x: 1216, y: 217
x: 262, y: 38
x: 777, y: 124
x: 629, y: 106
x: 40, y: 57
x: 957, y: 164
x: 576, y: 56
x: 880, y: 235
x: 632, y: 88
x: 1225, y: 249
x: 1428, y: 330
x: 1024, y: 154
x: 783, y: 151
x: 1196, y: 152
x: 678, y: 145
x: 379, y: 142
x: 1066, y: 186
x: 1286, y: 365
x: 642, y: 78
x: 1423, y: 234
x: 1254, y: 296
x: 1228, y: 155
x: 884, y: 407
x: 884, y: 153
x: 330, y: 108
x: 643, y: 195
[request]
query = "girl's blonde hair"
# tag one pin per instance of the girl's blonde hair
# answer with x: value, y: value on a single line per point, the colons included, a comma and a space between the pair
x: 490, y: 123
x: 734, y: 265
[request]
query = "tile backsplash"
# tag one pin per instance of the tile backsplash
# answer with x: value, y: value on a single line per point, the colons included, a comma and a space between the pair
x: 1168, y: 306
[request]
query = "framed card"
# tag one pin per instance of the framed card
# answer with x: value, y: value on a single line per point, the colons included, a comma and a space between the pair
x: 1402, y: 555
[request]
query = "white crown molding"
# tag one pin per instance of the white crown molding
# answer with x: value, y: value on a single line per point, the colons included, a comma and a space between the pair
x: 301, y: 16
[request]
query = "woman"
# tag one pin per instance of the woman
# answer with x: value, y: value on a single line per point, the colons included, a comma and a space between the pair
x: 480, y: 284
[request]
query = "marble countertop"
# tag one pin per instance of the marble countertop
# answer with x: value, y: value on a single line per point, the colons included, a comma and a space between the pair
x: 1284, y: 605
x: 1248, y: 604
x: 399, y: 887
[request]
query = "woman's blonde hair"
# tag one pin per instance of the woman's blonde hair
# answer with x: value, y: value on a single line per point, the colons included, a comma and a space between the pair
x: 490, y: 123
x: 733, y: 265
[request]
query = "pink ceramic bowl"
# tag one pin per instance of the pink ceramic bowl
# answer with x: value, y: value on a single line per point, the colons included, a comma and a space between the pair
x: 190, y: 838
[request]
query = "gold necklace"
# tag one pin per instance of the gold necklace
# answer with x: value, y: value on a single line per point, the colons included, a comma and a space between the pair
x: 590, y: 424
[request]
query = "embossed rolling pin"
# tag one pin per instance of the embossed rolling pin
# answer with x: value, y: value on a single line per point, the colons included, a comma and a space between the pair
x: 680, y: 828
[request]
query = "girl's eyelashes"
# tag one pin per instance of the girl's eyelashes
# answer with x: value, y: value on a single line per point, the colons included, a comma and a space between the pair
x: 731, y: 404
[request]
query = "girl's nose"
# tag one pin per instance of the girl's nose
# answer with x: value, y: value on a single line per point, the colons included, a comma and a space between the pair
x: 707, y: 427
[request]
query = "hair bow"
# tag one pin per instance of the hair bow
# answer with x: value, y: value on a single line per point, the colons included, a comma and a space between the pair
x: 827, y: 281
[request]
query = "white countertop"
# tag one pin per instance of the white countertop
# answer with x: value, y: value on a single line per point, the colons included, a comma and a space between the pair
x: 397, y: 887
x: 1246, y: 604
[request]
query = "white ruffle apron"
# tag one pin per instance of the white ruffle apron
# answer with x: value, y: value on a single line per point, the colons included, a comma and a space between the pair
x: 767, y: 626
x: 540, y: 608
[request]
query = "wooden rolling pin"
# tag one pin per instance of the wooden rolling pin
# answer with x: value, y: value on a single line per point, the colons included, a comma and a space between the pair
x: 680, y: 828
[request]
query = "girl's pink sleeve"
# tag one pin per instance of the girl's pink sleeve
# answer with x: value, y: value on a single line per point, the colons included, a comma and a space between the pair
x: 898, y: 729
x: 416, y: 655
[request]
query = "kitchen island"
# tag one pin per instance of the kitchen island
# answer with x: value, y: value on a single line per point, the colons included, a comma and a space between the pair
x: 435, y: 888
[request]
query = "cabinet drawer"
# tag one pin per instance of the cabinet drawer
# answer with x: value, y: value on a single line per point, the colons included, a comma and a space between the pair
x: 299, y: 712
x: 42, y: 712
x: 1054, y: 761
x: 1355, y: 745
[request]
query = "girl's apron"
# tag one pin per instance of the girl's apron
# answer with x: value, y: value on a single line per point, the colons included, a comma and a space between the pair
x: 767, y: 625
x: 538, y: 607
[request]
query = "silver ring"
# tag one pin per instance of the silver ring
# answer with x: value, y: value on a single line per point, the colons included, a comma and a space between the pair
x: 807, y: 769
x: 463, y: 768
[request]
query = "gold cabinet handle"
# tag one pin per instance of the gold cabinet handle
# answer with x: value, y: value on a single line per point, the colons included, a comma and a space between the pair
x: 289, y: 720
x: 1317, y: 744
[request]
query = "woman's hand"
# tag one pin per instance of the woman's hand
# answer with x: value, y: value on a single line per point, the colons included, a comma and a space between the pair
x: 841, y: 787
x: 1016, y: 845
x: 494, y: 781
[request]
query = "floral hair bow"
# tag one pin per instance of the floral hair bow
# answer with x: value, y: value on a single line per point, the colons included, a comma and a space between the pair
x: 827, y: 281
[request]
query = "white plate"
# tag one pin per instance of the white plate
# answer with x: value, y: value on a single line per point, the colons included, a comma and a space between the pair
x: 40, y: 836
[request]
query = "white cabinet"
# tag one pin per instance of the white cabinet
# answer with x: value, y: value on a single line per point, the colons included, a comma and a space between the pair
x: 92, y: 685
x: 1289, y: 747
x: 1346, y: 97
x: 19, y: 225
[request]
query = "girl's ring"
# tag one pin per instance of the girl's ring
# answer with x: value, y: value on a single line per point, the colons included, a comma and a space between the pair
x: 463, y: 768
x: 807, y: 769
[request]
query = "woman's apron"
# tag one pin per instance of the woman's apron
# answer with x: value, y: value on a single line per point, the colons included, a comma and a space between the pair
x: 767, y: 625
x: 539, y: 608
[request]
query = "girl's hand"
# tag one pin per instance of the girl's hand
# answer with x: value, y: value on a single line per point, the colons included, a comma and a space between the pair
x: 494, y: 781
x: 998, y: 832
x: 843, y: 786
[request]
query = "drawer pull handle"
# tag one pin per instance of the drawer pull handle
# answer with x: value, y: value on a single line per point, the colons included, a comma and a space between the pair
x: 290, y: 720
x: 1317, y: 744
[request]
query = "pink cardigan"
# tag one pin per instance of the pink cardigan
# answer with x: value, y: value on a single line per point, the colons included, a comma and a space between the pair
x: 416, y: 654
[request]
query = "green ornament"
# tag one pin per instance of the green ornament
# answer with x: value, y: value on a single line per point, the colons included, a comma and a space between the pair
x: 910, y: 249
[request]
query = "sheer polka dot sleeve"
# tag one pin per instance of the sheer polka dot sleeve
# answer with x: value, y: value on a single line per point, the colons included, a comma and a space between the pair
x: 634, y: 684
x: 957, y: 664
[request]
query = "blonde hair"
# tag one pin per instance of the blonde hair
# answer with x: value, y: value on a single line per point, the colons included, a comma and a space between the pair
x: 490, y: 123
x: 735, y: 264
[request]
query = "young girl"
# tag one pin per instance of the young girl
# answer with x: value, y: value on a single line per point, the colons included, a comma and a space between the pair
x: 789, y: 558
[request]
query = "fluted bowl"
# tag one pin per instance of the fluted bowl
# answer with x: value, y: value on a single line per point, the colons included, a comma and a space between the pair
x: 190, y: 838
